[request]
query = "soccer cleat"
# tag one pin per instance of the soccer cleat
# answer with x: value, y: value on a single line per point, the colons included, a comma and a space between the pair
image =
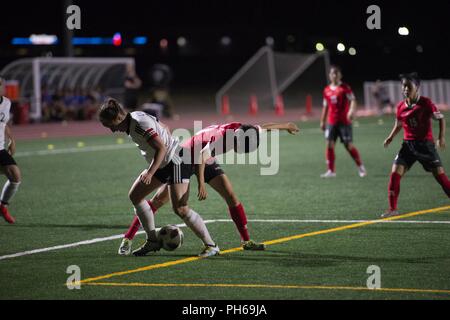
x: 328, y: 174
x: 254, y: 246
x: 210, y: 251
x: 148, y: 246
x: 362, y: 171
x: 5, y: 213
x: 125, y: 247
x: 390, y: 213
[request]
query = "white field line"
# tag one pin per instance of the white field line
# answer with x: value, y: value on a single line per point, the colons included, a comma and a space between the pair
x: 75, y: 150
x: 76, y: 244
x: 120, y: 236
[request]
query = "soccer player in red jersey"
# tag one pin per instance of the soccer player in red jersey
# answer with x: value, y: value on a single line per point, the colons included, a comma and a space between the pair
x: 339, y: 105
x: 213, y: 140
x: 414, y: 115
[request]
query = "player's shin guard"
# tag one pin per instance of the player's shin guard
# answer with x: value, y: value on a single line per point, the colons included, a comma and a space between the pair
x: 330, y: 159
x: 195, y: 222
x: 444, y: 182
x: 9, y: 190
x: 355, y: 155
x: 240, y: 220
x: 394, y: 190
x: 145, y: 214
x: 136, y: 224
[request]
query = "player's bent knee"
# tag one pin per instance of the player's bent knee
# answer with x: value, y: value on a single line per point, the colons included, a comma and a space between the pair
x: 134, y: 197
x: 13, y: 173
x: 181, y: 211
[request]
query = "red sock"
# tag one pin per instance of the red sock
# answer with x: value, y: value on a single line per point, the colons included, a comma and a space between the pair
x: 394, y: 190
x: 240, y: 220
x: 136, y: 224
x: 355, y: 155
x: 330, y: 159
x: 444, y: 182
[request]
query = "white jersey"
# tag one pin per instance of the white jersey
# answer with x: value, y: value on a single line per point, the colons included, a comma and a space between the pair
x: 5, y: 107
x: 143, y: 128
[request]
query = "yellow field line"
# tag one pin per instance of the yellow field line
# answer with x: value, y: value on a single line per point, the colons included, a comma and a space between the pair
x: 276, y: 241
x: 262, y: 286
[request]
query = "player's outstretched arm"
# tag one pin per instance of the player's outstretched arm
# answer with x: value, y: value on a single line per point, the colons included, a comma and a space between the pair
x: 397, y: 128
x: 12, y: 141
x: 288, y: 126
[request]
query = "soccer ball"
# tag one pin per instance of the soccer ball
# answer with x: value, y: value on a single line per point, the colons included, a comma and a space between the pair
x: 171, y: 237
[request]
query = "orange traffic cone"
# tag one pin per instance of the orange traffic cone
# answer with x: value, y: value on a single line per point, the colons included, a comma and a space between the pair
x: 253, y: 108
x: 225, y: 105
x: 279, y: 106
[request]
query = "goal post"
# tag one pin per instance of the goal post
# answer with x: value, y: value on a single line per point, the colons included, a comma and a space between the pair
x: 266, y: 75
x: 58, y: 73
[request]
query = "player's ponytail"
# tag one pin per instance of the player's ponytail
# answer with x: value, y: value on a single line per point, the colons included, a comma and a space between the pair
x: 110, y: 110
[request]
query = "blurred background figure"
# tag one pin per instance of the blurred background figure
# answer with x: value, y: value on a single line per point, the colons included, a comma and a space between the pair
x: 55, y: 109
x: 160, y: 104
x: 381, y: 95
x: 132, y: 85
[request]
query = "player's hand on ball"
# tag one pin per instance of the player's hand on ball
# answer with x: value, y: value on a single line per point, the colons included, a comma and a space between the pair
x: 202, y: 193
x: 441, y: 143
x: 146, y: 178
x: 292, y: 128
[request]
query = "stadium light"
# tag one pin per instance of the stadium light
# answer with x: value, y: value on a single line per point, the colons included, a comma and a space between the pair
x: 181, y: 41
x: 163, y: 44
x: 403, y: 31
x: 225, y: 41
x: 117, y: 39
x: 341, y: 47
x: 352, y: 51
x: 36, y: 39
x: 290, y: 38
x: 320, y: 46
x: 270, y: 41
x: 140, y: 41
x: 43, y: 39
x: 419, y: 48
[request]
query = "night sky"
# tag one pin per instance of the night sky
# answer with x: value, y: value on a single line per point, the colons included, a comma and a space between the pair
x: 381, y: 53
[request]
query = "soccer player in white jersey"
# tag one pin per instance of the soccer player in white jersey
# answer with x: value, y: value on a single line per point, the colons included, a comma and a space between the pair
x: 8, y: 165
x: 163, y: 153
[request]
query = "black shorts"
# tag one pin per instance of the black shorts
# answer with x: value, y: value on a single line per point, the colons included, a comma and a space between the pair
x: 212, y: 170
x: 343, y: 131
x: 423, y: 151
x: 6, y: 159
x: 174, y: 173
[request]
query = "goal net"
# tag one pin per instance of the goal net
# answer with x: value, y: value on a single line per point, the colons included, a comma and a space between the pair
x: 55, y: 74
x: 268, y: 74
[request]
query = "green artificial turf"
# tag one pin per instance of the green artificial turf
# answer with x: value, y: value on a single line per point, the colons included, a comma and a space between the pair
x: 71, y: 197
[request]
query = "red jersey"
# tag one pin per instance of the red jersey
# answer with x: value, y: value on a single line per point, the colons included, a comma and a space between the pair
x: 209, y: 135
x: 416, y: 119
x: 337, y: 99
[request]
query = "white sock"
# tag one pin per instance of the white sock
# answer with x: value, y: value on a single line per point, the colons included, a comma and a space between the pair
x: 195, y: 222
x: 145, y: 215
x: 9, y: 190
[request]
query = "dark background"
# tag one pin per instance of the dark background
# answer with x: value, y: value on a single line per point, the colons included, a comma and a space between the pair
x: 380, y: 53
